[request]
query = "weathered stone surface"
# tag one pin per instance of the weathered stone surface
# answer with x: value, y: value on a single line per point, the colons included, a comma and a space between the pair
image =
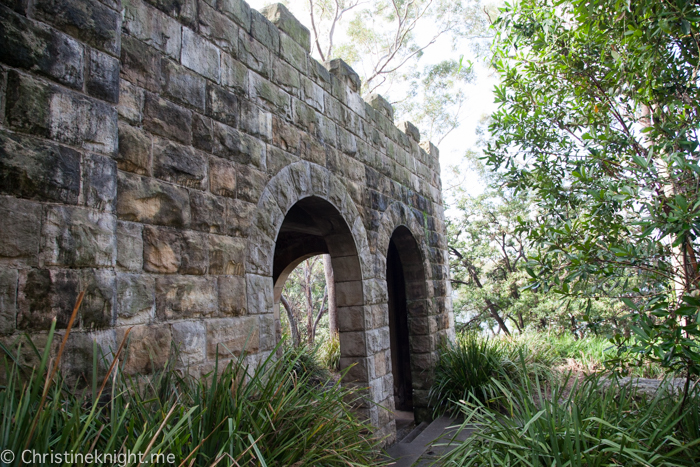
x: 218, y: 28
x: 232, y: 296
x: 8, y: 301
x: 264, y: 31
x: 41, y: 49
x: 189, y: 338
x: 352, y: 344
x: 167, y: 119
x: 47, y: 294
x: 256, y: 121
x: 102, y: 80
x: 269, y: 96
x: 182, y: 85
x: 129, y: 246
x: 19, y: 231
x: 382, y: 106
x: 259, y: 291
x: 179, y: 164
x: 227, y: 337
x: 208, y: 212
x: 99, y: 182
x: 89, y: 21
x: 184, y: 10
x: 345, y: 74
x: 294, y: 54
x: 152, y: 26
x: 140, y: 64
x: 237, y: 146
x: 222, y: 105
x: 61, y: 115
x: 150, y: 201
x: 170, y: 251
x: 180, y: 297
x: 200, y: 56
x: 238, y: 10
x: 77, y: 237
x: 251, y: 183
x: 281, y: 17
x: 77, y: 360
x: 410, y: 129
x: 147, y: 350
x: 130, y: 106
x: 239, y: 217
x: 226, y: 255
x: 134, y: 150
x: 254, y: 54
x: 234, y: 74
x: 222, y: 179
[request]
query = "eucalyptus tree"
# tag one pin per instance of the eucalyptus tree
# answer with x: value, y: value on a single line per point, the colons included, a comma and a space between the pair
x: 599, y: 118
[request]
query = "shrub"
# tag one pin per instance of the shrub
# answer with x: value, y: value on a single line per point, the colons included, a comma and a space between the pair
x: 270, y: 414
x: 329, y: 353
x: 589, y: 425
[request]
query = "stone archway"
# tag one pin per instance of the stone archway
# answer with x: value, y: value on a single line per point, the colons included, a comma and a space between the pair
x: 305, y: 210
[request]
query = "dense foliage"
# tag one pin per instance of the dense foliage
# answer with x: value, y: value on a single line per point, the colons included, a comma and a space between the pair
x: 599, y: 120
x: 274, y: 413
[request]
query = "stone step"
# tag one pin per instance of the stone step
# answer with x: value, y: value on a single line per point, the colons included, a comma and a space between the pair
x: 428, y: 444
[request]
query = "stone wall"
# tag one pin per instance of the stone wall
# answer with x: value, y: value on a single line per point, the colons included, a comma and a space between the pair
x: 149, y: 151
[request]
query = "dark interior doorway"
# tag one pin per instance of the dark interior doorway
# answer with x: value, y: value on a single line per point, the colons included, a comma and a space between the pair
x: 398, y: 329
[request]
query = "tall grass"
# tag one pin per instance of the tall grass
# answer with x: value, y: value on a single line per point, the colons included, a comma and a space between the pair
x: 589, y: 425
x: 269, y: 415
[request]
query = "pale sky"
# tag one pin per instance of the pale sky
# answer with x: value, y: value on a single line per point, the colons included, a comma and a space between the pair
x: 479, y: 103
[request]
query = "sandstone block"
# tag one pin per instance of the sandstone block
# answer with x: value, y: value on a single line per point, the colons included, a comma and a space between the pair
x: 150, y: 201
x: 179, y: 164
x: 179, y: 297
x: 285, y: 136
x: 287, y: 77
x: 129, y: 246
x: 97, y: 307
x: 239, y: 217
x: 269, y: 96
x: 200, y: 55
x: 100, y: 182
x: 77, y: 237
x: 153, y: 27
x: 234, y: 74
x: 260, y: 294
x: 294, y: 54
x: 189, y: 338
x: 382, y: 106
x: 39, y: 48
x: 140, y: 64
x: 377, y: 340
x: 254, y: 54
x: 134, y: 150
x: 52, y: 112
x: 222, y: 177
x: 148, y: 348
x: 351, y: 318
x: 236, y: 146
x: 352, y: 344
x: 77, y: 360
x: 345, y: 73
x: 91, y: 22
x: 349, y: 293
x: 359, y: 371
x: 218, y: 28
x: 313, y: 94
x: 195, y: 254
x: 268, y: 332
x: 102, y: 79
x: 281, y: 17
x: 227, y: 337
x: 238, y: 11
x: 222, y: 105
x: 264, y: 31
x: 183, y: 86
x: 256, y: 121
x: 183, y: 10
x: 170, y: 251
x: 8, y: 301
x: 232, y: 298
x: 226, y: 255
x: 167, y: 119
x: 208, y: 212
x: 19, y: 231
x: 251, y: 183
x: 130, y: 106
x: 277, y: 159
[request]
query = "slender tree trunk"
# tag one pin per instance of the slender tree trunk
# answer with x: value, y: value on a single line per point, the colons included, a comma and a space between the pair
x: 330, y: 287
x: 308, y: 266
x: 296, y: 340
x: 494, y: 314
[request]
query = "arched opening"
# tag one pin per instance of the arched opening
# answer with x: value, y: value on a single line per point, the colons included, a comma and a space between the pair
x: 311, y: 227
x: 406, y: 286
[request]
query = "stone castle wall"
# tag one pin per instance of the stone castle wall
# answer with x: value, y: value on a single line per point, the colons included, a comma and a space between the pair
x: 149, y: 151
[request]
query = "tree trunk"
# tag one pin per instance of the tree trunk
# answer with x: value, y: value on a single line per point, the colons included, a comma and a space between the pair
x: 308, y: 266
x: 330, y: 287
x: 494, y: 314
x: 296, y: 340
